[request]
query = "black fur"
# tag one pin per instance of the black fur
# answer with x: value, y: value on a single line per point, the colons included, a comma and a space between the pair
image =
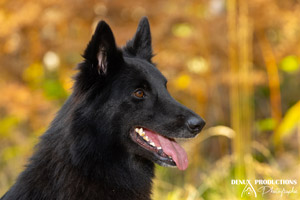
x: 87, y: 153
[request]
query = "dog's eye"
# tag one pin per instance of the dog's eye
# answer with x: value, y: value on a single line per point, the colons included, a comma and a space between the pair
x: 139, y: 93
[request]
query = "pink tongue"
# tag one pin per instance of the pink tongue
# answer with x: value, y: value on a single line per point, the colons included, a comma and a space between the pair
x: 171, y: 148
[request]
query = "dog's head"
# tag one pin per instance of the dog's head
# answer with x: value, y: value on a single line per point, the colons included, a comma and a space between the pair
x: 129, y: 98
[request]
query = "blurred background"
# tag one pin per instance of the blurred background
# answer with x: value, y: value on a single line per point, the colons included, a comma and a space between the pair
x: 236, y: 63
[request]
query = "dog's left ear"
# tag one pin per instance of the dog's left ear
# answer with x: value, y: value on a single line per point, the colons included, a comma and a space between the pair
x: 102, y: 53
x: 140, y: 45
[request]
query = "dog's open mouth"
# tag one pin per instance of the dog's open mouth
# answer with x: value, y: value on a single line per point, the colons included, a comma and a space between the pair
x: 167, y: 150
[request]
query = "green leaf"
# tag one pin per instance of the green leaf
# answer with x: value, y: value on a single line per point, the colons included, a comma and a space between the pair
x: 53, y: 89
x: 267, y: 124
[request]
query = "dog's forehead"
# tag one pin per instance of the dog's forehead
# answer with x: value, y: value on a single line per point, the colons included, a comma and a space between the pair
x: 145, y: 68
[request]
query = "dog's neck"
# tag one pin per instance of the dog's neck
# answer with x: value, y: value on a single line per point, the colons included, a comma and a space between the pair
x: 131, y: 178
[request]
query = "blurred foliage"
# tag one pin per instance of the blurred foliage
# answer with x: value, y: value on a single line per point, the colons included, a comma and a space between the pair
x: 290, y: 122
x: 236, y: 63
x: 289, y: 64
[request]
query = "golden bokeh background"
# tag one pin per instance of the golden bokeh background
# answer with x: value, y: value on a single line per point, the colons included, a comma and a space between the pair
x: 234, y: 62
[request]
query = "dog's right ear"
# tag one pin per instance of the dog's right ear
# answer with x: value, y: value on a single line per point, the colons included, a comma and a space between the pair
x: 102, y: 52
x: 140, y: 45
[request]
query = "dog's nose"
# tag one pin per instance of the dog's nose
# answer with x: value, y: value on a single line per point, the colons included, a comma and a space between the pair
x: 195, y: 124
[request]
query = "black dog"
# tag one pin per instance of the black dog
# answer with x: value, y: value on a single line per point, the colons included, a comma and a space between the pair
x: 119, y: 120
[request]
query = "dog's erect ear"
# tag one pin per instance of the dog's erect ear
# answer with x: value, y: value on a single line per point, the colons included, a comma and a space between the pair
x: 140, y: 45
x: 102, y: 50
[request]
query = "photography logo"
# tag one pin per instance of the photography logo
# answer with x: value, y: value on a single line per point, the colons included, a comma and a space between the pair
x: 263, y: 187
x: 249, y: 190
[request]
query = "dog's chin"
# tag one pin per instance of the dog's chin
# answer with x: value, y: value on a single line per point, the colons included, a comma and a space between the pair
x: 158, y: 148
x: 165, y: 164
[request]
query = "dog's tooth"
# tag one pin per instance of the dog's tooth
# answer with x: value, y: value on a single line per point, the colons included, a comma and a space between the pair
x: 136, y: 130
x: 146, y: 138
x: 143, y: 133
x: 159, y: 148
x: 140, y: 132
x: 152, y: 144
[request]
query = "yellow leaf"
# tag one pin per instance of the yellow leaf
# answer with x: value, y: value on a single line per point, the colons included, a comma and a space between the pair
x: 288, y: 124
x: 183, y: 81
x: 33, y: 74
x: 182, y: 30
